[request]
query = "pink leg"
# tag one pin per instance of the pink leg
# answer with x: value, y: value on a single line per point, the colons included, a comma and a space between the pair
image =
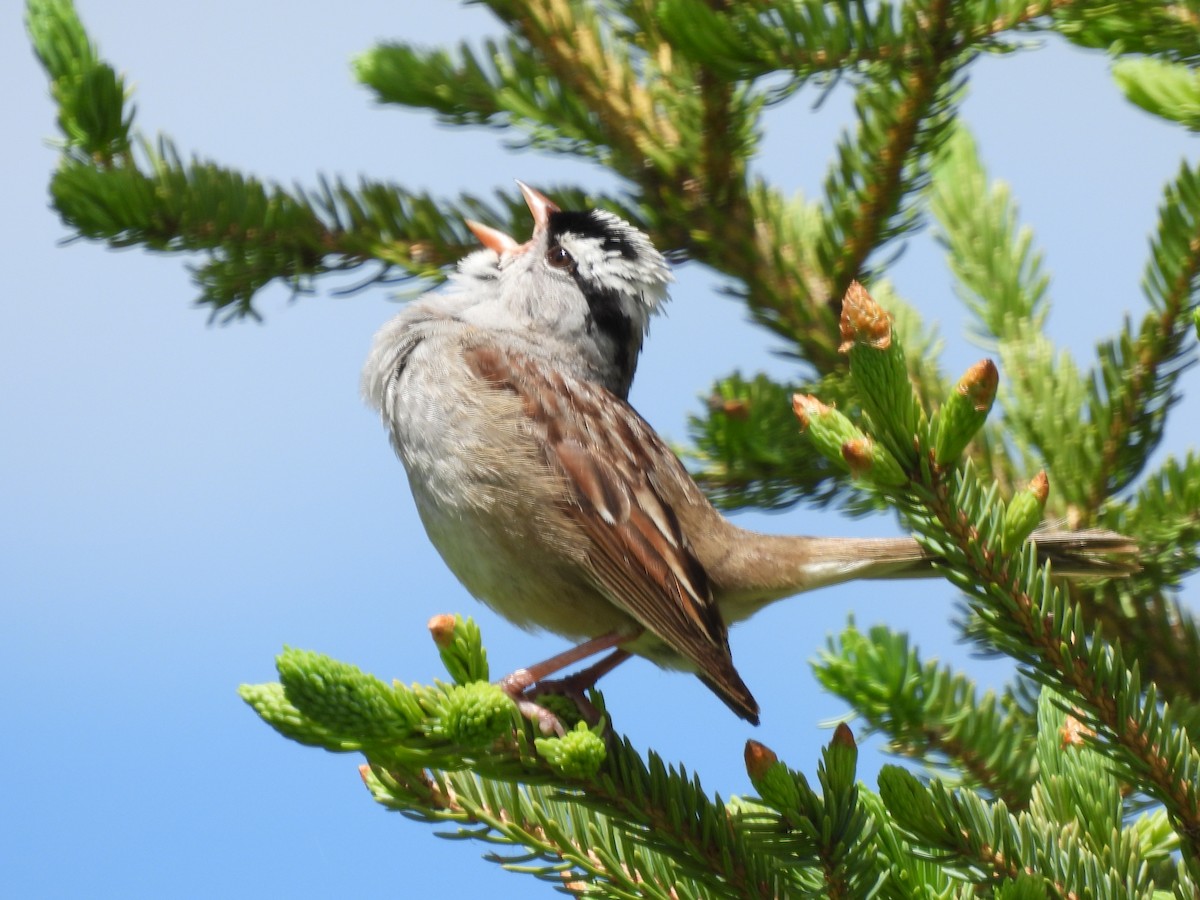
x: 521, y: 685
x: 574, y: 686
x: 522, y: 679
x: 582, y: 681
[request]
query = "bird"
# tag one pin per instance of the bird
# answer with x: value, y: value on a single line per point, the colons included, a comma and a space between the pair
x: 505, y: 396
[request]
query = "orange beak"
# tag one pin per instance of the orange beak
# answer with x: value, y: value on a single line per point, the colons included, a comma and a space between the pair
x: 492, y: 238
x: 539, y: 204
x: 496, y: 240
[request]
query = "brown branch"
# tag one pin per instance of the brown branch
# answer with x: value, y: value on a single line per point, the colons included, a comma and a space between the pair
x: 574, y: 52
x: 1159, y: 340
x: 1040, y: 639
x: 882, y: 195
x: 628, y: 805
x: 801, y: 60
x: 937, y: 740
x: 1161, y: 634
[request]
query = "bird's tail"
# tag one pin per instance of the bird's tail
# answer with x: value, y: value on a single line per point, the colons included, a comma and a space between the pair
x: 1087, y: 554
x: 779, y: 567
x: 1072, y: 554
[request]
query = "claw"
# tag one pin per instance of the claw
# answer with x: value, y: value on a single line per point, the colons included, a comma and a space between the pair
x: 547, y: 722
x: 525, y: 685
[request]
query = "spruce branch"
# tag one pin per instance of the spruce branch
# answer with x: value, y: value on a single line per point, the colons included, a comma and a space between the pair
x: 903, y: 117
x: 591, y: 807
x: 1136, y: 380
x: 833, y: 832
x: 999, y: 275
x: 93, y: 114
x: 1169, y: 30
x: 463, y: 87
x: 541, y: 833
x: 504, y: 86
x: 812, y: 39
x: 998, y: 271
x: 1073, y: 840
x: 578, y: 47
x: 1160, y: 632
x: 932, y: 714
x: 1030, y: 619
x: 1021, y: 611
x: 254, y: 233
x: 1000, y: 278
x: 1165, y: 89
x: 1165, y: 516
x: 744, y: 41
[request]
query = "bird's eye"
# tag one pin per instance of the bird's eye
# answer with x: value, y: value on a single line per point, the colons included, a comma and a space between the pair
x: 559, y: 258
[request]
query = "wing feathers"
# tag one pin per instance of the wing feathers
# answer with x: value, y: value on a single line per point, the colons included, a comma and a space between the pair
x: 639, y: 556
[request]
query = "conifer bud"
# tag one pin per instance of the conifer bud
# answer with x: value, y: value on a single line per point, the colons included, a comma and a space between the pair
x: 759, y: 759
x: 775, y: 783
x: 441, y: 627
x: 460, y: 646
x: 863, y: 321
x: 1074, y: 733
x: 341, y: 698
x: 867, y: 459
x: 1024, y: 513
x: 577, y: 754
x: 879, y: 372
x: 829, y: 429
x: 474, y: 715
x: 965, y: 411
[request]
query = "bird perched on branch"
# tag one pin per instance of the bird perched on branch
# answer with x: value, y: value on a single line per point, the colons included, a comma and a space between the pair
x: 546, y: 493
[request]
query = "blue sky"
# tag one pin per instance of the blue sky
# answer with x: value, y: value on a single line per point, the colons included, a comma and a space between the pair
x: 178, y: 500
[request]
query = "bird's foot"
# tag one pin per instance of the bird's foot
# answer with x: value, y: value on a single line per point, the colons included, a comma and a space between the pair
x: 525, y: 686
x: 521, y: 686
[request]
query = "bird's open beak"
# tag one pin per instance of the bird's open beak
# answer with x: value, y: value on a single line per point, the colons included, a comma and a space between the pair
x: 492, y: 238
x: 539, y: 204
x: 504, y: 246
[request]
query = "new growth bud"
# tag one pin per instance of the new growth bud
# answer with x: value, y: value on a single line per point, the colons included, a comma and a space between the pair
x: 828, y: 428
x: 460, y: 646
x: 759, y: 759
x: 343, y: 700
x: 879, y: 373
x: 1074, y: 733
x: 1024, y: 513
x: 775, y: 784
x: 964, y: 413
x: 474, y: 715
x: 868, y: 459
x: 577, y: 754
x: 441, y: 627
x: 863, y: 321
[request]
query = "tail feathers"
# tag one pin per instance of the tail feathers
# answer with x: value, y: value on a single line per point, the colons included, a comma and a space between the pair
x: 1087, y: 554
x: 824, y: 561
x: 728, y: 685
x: 1094, y: 553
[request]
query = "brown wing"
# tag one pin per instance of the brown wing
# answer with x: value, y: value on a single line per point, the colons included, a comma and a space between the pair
x: 615, y: 467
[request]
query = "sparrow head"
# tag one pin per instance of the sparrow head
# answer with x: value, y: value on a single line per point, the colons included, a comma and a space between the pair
x: 584, y: 286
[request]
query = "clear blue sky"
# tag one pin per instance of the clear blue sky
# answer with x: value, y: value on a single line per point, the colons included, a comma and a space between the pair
x: 178, y: 500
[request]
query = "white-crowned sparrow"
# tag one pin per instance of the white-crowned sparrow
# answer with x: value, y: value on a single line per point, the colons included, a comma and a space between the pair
x: 549, y: 497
